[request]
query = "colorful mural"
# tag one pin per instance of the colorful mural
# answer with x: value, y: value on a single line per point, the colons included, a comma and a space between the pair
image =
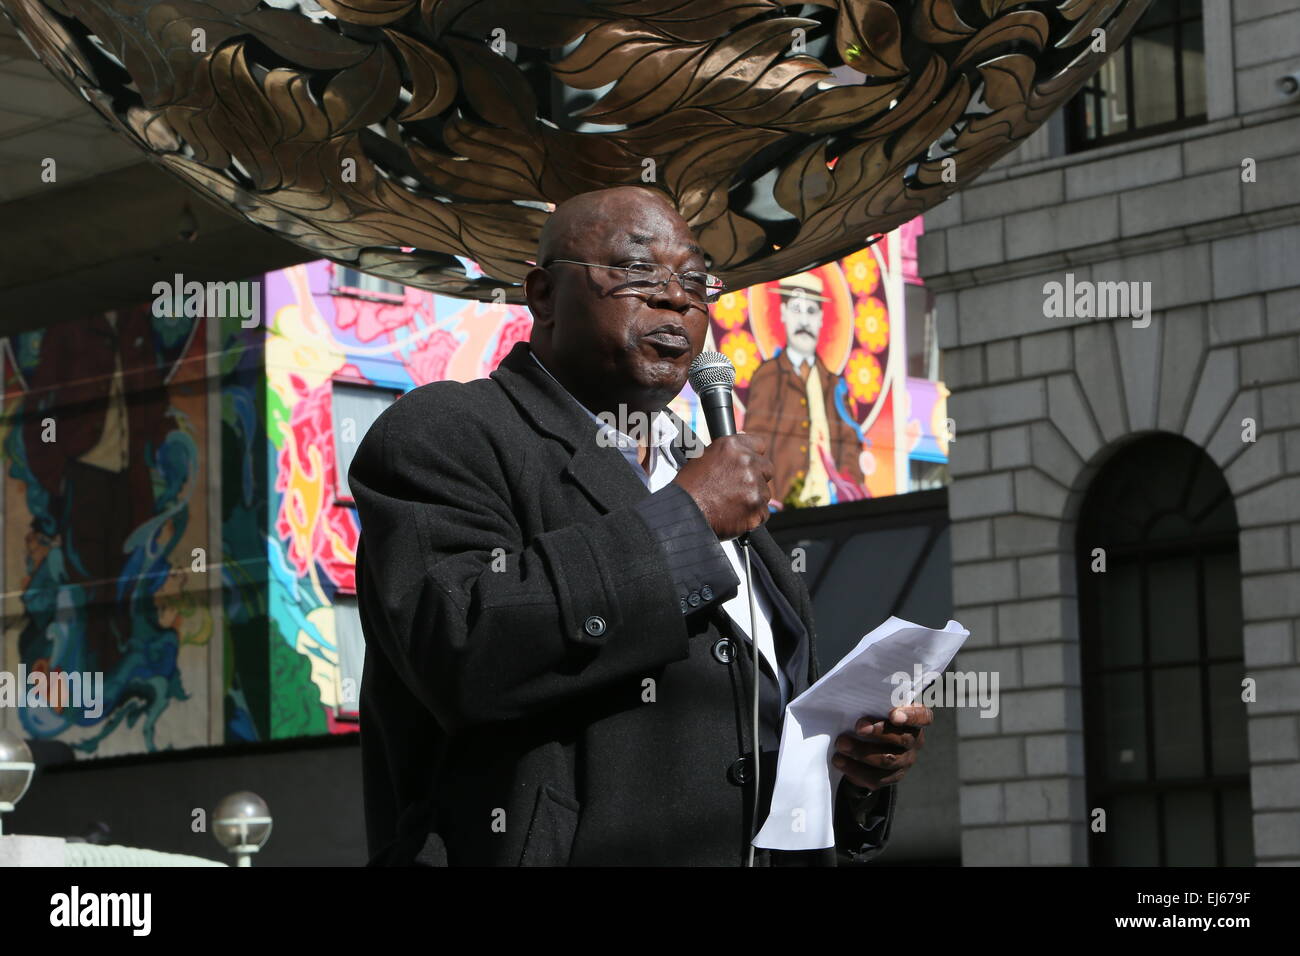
x: 104, y: 440
x: 321, y: 332
x: 114, y: 563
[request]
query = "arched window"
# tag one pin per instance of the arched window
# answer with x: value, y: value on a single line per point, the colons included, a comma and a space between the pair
x: 1164, y: 722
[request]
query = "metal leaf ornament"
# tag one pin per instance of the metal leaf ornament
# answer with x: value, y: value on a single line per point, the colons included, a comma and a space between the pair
x: 403, y: 137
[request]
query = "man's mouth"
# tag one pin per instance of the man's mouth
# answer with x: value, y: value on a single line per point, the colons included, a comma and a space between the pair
x: 670, y: 339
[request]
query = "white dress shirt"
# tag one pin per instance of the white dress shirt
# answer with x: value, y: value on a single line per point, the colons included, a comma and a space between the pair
x: 662, y: 470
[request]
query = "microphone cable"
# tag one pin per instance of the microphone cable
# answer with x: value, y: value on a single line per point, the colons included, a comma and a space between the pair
x: 753, y: 640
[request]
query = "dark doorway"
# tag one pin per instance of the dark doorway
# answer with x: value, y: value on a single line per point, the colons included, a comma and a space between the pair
x: 1160, y: 630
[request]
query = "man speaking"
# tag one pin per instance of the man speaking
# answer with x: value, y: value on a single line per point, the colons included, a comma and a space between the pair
x: 558, y: 633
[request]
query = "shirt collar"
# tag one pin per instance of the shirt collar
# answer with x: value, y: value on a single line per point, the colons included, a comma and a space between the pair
x: 798, y: 359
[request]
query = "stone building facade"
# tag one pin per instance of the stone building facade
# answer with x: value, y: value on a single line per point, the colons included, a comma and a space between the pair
x: 1209, y: 215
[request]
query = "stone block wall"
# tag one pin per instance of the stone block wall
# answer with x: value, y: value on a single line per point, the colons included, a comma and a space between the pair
x: 1041, y: 401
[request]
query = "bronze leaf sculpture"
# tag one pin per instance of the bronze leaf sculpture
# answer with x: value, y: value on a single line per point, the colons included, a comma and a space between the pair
x: 397, y: 135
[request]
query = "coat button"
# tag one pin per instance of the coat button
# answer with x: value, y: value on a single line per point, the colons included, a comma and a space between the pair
x: 684, y: 607
x: 724, y: 651
x: 738, y: 772
x: 706, y: 592
x: 594, y: 625
x: 693, y: 599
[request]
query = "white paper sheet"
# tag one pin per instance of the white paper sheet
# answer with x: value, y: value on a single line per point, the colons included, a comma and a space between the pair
x: 861, y: 684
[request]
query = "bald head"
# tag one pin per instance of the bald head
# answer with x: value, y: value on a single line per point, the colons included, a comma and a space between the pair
x: 592, y: 219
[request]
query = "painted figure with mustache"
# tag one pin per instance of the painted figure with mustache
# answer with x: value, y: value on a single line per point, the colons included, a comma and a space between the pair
x: 791, y: 403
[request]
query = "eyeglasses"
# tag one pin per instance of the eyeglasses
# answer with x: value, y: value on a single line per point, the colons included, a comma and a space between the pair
x: 652, y: 276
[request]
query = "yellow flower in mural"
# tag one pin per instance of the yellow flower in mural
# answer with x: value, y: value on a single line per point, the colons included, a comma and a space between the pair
x: 864, y: 376
x: 740, y: 347
x: 862, y: 271
x: 872, y: 324
x: 730, y: 310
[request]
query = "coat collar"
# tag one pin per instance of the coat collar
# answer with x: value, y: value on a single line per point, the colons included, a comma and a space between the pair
x: 599, y: 470
x: 541, y: 399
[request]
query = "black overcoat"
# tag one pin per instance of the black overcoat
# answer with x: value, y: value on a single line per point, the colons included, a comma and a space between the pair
x: 548, y: 676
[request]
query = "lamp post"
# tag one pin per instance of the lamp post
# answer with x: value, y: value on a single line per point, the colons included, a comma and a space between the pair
x: 16, y: 768
x: 242, y: 824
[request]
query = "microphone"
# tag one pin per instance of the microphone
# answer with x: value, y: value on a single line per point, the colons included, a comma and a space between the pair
x: 712, y: 376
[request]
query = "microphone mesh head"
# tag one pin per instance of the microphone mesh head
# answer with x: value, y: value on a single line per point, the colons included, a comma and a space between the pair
x: 710, y: 370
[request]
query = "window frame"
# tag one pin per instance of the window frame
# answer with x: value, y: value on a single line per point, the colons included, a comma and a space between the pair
x: 356, y: 292
x: 340, y: 492
x: 929, y: 323
x: 349, y: 600
x: 1089, y: 97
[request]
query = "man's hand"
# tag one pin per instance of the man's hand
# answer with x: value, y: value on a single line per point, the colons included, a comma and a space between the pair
x: 730, y: 482
x: 881, y: 751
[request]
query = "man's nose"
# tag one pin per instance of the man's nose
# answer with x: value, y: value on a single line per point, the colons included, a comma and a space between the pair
x: 671, y: 296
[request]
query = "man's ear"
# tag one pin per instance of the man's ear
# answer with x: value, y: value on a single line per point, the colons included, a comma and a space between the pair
x: 539, y: 291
